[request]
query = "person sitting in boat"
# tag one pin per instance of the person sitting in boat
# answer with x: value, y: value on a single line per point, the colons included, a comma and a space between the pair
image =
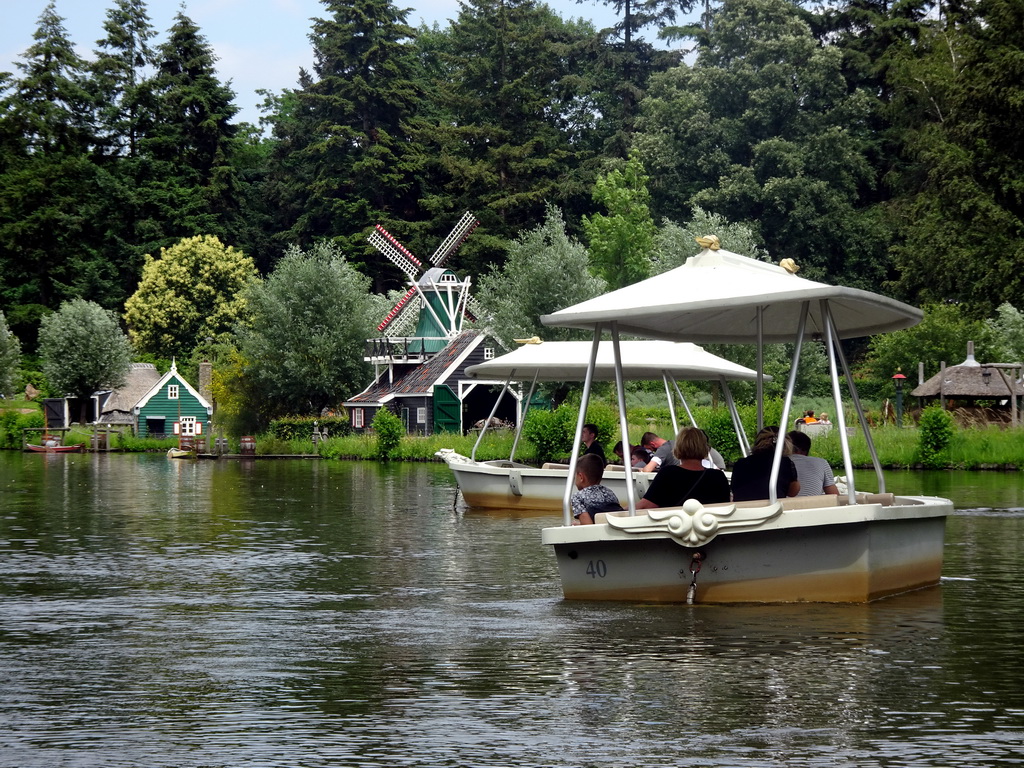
x: 593, y: 447
x: 750, y: 475
x: 660, y: 450
x: 714, y: 460
x: 689, y: 478
x: 815, y: 474
x: 591, y: 497
x: 638, y: 456
x: 823, y: 418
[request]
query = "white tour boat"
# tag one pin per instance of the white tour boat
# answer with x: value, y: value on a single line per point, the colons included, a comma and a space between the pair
x: 851, y: 548
x: 508, y: 484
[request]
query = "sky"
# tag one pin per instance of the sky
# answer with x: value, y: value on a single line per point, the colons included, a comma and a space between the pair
x: 260, y: 44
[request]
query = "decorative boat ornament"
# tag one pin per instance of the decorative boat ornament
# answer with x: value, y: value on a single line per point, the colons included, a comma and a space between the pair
x: 693, y: 524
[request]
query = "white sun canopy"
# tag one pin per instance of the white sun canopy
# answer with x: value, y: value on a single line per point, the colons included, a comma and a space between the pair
x: 641, y: 360
x: 715, y: 297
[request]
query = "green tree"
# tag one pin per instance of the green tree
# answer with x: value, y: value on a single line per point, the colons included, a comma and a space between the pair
x: 343, y: 158
x: 621, y: 242
x: 188, y: 185
x: 192, y: 292
x: 50, y: 104
x: 764, y: 130
x: 959, y: 196
x: 52, y: 198
x: 1008, y: 329
x: 675, y: 243
x: 10, y: 358
x: 119, y: 83
x: 506, y: 140
x: 83, y: 349
x: 941, y: 336
x: 545, y: 270
x: 308, y: 323
x: 622, y: 64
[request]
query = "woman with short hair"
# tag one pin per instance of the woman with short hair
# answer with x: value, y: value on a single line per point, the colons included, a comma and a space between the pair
x: 689, y: 479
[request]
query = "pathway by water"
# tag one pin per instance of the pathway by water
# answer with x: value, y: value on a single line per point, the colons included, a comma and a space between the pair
x: 202, y: 614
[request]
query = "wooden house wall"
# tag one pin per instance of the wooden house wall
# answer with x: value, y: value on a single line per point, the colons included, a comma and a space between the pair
x: 413, y: 402
x: 161, y: 405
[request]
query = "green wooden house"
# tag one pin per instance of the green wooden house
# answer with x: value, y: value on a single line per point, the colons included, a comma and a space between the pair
x: 172, y: 407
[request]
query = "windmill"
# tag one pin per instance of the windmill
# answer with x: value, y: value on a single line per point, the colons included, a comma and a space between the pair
x: 444, y: 298
x: 421, y: 356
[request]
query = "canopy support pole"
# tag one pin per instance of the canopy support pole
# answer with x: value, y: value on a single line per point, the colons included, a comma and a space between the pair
x: 686, y: 406
x: 741, y: 436
x: 831, y: 343
x: 760, y: 369
x: 780, y: 443
x: 522, y: 417
x: 494, y: 410
x: 620, y: 393
x: 570, y: 480
x: 671, y: 407
x: 864, y: 426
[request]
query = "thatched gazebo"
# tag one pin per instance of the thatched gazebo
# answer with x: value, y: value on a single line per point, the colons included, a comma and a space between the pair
x: 996, y: 385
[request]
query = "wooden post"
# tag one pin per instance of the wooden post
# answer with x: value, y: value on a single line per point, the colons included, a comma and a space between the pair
x: 942, y: 384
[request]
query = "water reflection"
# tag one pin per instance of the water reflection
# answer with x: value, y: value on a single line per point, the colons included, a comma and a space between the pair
x: 167, y: 613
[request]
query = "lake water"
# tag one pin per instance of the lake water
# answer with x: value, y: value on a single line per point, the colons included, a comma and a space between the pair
x: 305, y: 613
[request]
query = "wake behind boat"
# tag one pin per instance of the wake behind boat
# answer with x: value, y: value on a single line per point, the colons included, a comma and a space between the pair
x: 852, y: 548
x: 507, y: 484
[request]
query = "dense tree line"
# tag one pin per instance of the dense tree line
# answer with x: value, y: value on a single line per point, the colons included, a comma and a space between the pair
x: 875, y: 143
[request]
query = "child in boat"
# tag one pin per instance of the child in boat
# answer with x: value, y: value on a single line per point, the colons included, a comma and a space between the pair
x: 591, y: 497
x: 690, y: 478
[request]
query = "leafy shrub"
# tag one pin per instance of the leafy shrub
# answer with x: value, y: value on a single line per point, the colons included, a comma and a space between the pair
x: 126, y: 441
x: 12, y: 423
x: 552, y: 432
x: 935, y: 432
x: 717, y: 423
x: 301, y: 427
x: 389, y: 430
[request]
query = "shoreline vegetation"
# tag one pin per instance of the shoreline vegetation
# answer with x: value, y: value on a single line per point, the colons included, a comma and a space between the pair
x: 988, y: 447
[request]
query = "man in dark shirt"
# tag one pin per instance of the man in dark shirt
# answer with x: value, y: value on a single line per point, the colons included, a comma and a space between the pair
x: 591, y: 443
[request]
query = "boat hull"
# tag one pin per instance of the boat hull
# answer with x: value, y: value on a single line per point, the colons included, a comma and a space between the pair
x: 848, y: 554
x: 508, y: 485
x: 55, y: 448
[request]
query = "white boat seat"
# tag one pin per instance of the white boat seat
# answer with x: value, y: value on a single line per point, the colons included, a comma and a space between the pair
x: 553, y: 465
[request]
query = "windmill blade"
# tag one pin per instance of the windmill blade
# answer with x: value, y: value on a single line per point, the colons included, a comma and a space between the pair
x: 399, y: 255
x: 397, y: 311
x: 456, y: 237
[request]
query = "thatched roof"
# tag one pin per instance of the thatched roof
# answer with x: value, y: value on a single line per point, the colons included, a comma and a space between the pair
x: 119, y: 404
x: 970, y: 379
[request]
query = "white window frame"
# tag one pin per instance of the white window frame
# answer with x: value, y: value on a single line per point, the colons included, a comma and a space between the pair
x: 421, y: 415
x: 488, y: 353
x: 188, y: 426
x: 358, y: 418
x: 172, y: 391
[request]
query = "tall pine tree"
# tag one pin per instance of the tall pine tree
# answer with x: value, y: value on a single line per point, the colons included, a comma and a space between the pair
x: 344, y: 133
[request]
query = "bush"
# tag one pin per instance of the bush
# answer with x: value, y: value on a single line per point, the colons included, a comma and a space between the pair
x: 552, y: 432
x: 717, y: 423
x: 389, y: 430
x: 12, y: 423
x: 301, y: 427
x: 935, y: 434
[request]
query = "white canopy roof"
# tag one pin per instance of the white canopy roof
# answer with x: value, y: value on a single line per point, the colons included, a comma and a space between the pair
x: 568, y: 360
x: 714, y: 296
